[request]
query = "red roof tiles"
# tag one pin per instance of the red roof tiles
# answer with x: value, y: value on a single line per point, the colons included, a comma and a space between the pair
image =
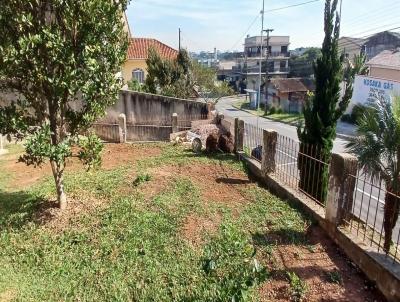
x: 139, y: 49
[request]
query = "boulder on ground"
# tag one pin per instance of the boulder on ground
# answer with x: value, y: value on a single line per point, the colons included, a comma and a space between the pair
x: 225, y: 143
x: 212, y: 143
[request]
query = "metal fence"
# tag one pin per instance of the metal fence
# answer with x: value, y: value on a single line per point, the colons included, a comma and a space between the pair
x: 365, y: 216
x: 302, y: 167
x: 252, y: 141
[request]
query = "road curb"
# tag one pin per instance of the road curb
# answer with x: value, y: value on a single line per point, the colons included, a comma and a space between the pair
x: 338, y: 135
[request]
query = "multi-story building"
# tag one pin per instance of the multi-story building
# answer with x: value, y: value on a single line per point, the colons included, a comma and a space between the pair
x: 277, y: 64
x: 371, y: 46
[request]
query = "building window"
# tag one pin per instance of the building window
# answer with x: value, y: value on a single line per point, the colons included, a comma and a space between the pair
x: 138, y: 75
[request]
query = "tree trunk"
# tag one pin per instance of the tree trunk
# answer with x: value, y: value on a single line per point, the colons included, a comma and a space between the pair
x: 58, y: 174
x: 391, y: 214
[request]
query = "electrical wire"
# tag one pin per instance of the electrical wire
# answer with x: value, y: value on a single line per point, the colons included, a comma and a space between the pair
x: 290, y: 6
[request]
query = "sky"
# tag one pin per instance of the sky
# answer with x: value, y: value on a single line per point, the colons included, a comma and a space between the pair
x: 223, y: 24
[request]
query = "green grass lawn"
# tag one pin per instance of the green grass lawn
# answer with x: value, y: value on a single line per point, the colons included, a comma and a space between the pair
x: 131, y: 237
x: 288, y: 118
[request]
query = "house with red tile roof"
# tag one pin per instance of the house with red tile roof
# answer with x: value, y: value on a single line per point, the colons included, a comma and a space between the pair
x: 289, y: 94
x: 135, y: 66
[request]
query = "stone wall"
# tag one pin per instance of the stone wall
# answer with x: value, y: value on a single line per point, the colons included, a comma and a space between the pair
x: 144, y: 108
x: 148, y: 116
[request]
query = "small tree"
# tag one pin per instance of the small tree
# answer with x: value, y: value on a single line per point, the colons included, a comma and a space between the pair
x: 207, y: 86
x: 322, y: 111
x: 61, y: 57
x: 169, y: 77
x: 357, y: 67
x: 134, y: 85
x: 302, y: 66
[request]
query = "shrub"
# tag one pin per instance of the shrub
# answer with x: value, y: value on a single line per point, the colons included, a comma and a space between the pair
x: 357, y: 112
x: 279, y: 111
x: 272, y: 110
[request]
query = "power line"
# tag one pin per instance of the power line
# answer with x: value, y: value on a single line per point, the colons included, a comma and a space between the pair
x: 373, y: 13
x: 270, y: 10
x: 245, y: 33
x: 350, y: 43
x: 373, y: 29
x: 290, y: 6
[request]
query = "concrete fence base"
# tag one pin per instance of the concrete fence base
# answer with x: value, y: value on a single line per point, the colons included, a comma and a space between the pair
x: 377, y: 267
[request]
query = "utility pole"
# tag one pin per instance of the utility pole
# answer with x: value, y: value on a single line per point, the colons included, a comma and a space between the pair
x: 340, y: 15
x: 179, y: 39
x: 266, y: 73
x: 261, y: 56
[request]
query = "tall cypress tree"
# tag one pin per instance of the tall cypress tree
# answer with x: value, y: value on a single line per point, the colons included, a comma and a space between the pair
x: 322, y: 111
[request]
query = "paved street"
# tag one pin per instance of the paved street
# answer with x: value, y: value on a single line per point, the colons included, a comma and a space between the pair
x: 369, y: 200
x: 225, y: 107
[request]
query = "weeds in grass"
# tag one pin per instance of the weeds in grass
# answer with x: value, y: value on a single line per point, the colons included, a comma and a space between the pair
x: 311, y: 248
x: 230, y: 261
x: 133, y: 248
x: 298, y: 288
x: 142, y: 178
x: 335, y: 277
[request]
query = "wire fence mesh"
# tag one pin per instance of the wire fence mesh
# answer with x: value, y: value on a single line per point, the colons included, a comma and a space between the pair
x: 302, y: 167
x: 373, y: 217
x: 252, y: 141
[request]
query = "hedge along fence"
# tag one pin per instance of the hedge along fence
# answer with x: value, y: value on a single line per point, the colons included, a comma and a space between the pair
x: 351, y: 214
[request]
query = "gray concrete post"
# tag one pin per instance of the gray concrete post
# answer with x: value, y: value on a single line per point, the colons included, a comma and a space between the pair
x: 270, y: 139
x: 210, y: 108
x: 122, y: 128
x: 174, y: 122
x: 239, y: 134
x: 341, y: 187
x: 220, y: 117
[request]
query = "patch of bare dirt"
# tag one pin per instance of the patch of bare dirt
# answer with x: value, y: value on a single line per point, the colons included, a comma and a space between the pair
x: 316, y: 265
x: 160, y: 179
x: 122, y: 154
x: 52, y: 218
x: 219, y: 184
x: 113, y: 155
x: 8, y: 295
x: 195, y: 227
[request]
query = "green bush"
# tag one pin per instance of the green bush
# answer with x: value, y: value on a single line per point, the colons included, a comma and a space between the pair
x: 272, y: 110
x: 279, y: 111
x: 357, y: 112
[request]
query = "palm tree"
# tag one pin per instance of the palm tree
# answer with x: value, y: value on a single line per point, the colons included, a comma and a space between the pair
x: 377, y: 147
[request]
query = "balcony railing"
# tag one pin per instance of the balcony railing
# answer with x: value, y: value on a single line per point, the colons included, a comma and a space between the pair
x: 273, y: 54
